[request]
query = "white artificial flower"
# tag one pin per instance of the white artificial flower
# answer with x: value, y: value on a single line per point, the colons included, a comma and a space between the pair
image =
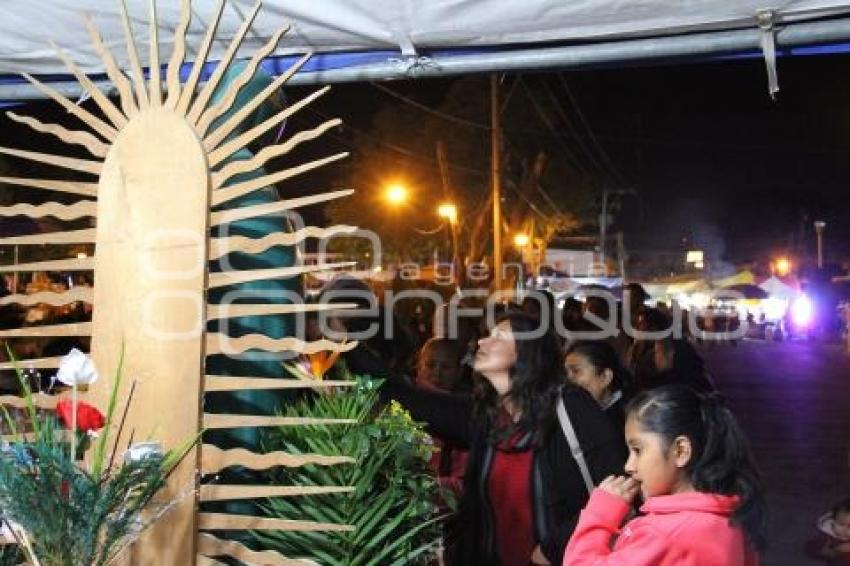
x: 76, y: 368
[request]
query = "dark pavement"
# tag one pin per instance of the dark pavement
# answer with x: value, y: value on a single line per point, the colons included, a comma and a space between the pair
x: 793, y: 400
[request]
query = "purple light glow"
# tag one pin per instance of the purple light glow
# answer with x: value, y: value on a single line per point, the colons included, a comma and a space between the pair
x: 801, y: 311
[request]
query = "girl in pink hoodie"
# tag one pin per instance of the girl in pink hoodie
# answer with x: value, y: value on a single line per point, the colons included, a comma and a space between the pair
x: 692, y: 466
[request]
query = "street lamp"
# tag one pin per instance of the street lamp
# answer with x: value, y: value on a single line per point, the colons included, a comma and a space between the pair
x: 448, y: 211
x: 396, y: 195
x: 782, y: 266
x: 521, y: 240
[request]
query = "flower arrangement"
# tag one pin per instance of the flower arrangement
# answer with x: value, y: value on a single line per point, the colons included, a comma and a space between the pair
x: 59, y: 510
x: 394, y: 501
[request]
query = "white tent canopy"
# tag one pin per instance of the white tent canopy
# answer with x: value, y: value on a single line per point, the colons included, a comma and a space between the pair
x: 482, y: 35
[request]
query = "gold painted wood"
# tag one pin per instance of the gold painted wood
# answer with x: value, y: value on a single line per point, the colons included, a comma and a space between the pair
x: 225, y: 278
x: 71, y: 163
x: 216, y: 312
x: 231, y: 383
x: 76, y: 329
x: 172, y: 75
x: 149, y: 286
x: 77, y: 264
x: 206, y: 92
x: 37, y: 363
x: 247, y: 165
x: 225, y: 522
x: 214, y: 421
x: 86, y: 236
x: 212, y: 546
x: 76, y: 137
x: 46, y: 402
x: 213, y: 112
x: 245, y: 212
x: 221, y: 153
x: 115, y: 116
x: 222, y: 132
x: 154, y: 71
x: 202, y: 560
x: 95, y: 123
x: 85, y: 294
x: 70, y: 187
x: 200, y: 59
x: 214, y: 459
x: 128, y: 104
x: 60, y: 211
x: 217, y: 492
x: 223, y: 344
x: 138, y: 78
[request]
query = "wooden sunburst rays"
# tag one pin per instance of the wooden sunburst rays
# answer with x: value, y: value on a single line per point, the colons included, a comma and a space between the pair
x: 136, y: 97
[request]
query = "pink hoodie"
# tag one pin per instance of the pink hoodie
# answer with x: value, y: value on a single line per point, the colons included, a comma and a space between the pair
x: 688, y: 529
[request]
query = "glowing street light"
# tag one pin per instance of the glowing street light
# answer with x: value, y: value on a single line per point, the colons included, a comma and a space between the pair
x: 448, y: 211
x: 396, y: 195
x: 782, y: 266
x: 521, y: 240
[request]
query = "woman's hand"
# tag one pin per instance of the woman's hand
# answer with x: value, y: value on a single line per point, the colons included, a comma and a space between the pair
x: 623, y: 487
x: 538, y: 558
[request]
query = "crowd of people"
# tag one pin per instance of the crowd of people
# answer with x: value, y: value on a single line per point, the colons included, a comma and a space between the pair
x: 552, y: 443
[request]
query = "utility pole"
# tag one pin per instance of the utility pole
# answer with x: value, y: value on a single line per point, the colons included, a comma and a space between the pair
x: 603, y: 228
x: 496, y: 175
x: 819, y: 226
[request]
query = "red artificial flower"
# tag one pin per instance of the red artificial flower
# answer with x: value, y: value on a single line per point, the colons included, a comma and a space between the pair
x: 88, y: 417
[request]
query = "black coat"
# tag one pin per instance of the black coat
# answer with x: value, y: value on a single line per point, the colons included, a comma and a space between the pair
x: 559, y: 492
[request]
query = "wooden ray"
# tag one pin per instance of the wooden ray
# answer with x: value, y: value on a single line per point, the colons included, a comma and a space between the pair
x: 222, y: 343
x: 37, y: 363
x: 115, y: 74
x: 76, y: 329
x: 212, y: 546
x: 220, y: 107
x: 202, y: 560
x: 217, y: 492
x: 135, y: 67
x: 154, y: 71
x: 76, y: 264
x: 232, y: 383
x: 72, y: 163
x: 70, y: 187
x: 115, y: 116
x: 247, y: 165
x: 237, y: 214
x: 198, y: 65
x: 214, y: 459
x: 219, y: 154
x: 39, y: 401
x: 218, y: 421
x: 226, y: 194
x: 105, y: 130
x: 68, y: 237
x: 74, y: 137
x: 222, y: 246
x: 225, y: 522
x: 207, y: 91
x: 217, y: 312
x: 222, y: 132
x: 84, y: 294
x: 172, y: 75
x: 60, y: 211
x: 225, y: 278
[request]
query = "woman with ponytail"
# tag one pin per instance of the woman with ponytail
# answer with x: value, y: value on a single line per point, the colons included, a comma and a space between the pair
x: 690, y: 463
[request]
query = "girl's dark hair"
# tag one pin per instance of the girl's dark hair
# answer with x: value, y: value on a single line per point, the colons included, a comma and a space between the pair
x: 602, y: 356
x: 536, y: 380
x: 721, y: 461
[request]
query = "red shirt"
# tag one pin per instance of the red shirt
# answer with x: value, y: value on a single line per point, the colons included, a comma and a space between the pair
x: 509, y: 486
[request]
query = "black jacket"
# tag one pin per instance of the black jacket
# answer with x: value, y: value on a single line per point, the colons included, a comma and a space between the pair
x: 559, y: 492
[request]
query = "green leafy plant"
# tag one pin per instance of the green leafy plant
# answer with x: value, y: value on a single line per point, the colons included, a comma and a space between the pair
x: 393, y: 505
x: 64, y: 513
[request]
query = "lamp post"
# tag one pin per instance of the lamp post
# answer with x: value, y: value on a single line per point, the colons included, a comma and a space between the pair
x: 819, y: 226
